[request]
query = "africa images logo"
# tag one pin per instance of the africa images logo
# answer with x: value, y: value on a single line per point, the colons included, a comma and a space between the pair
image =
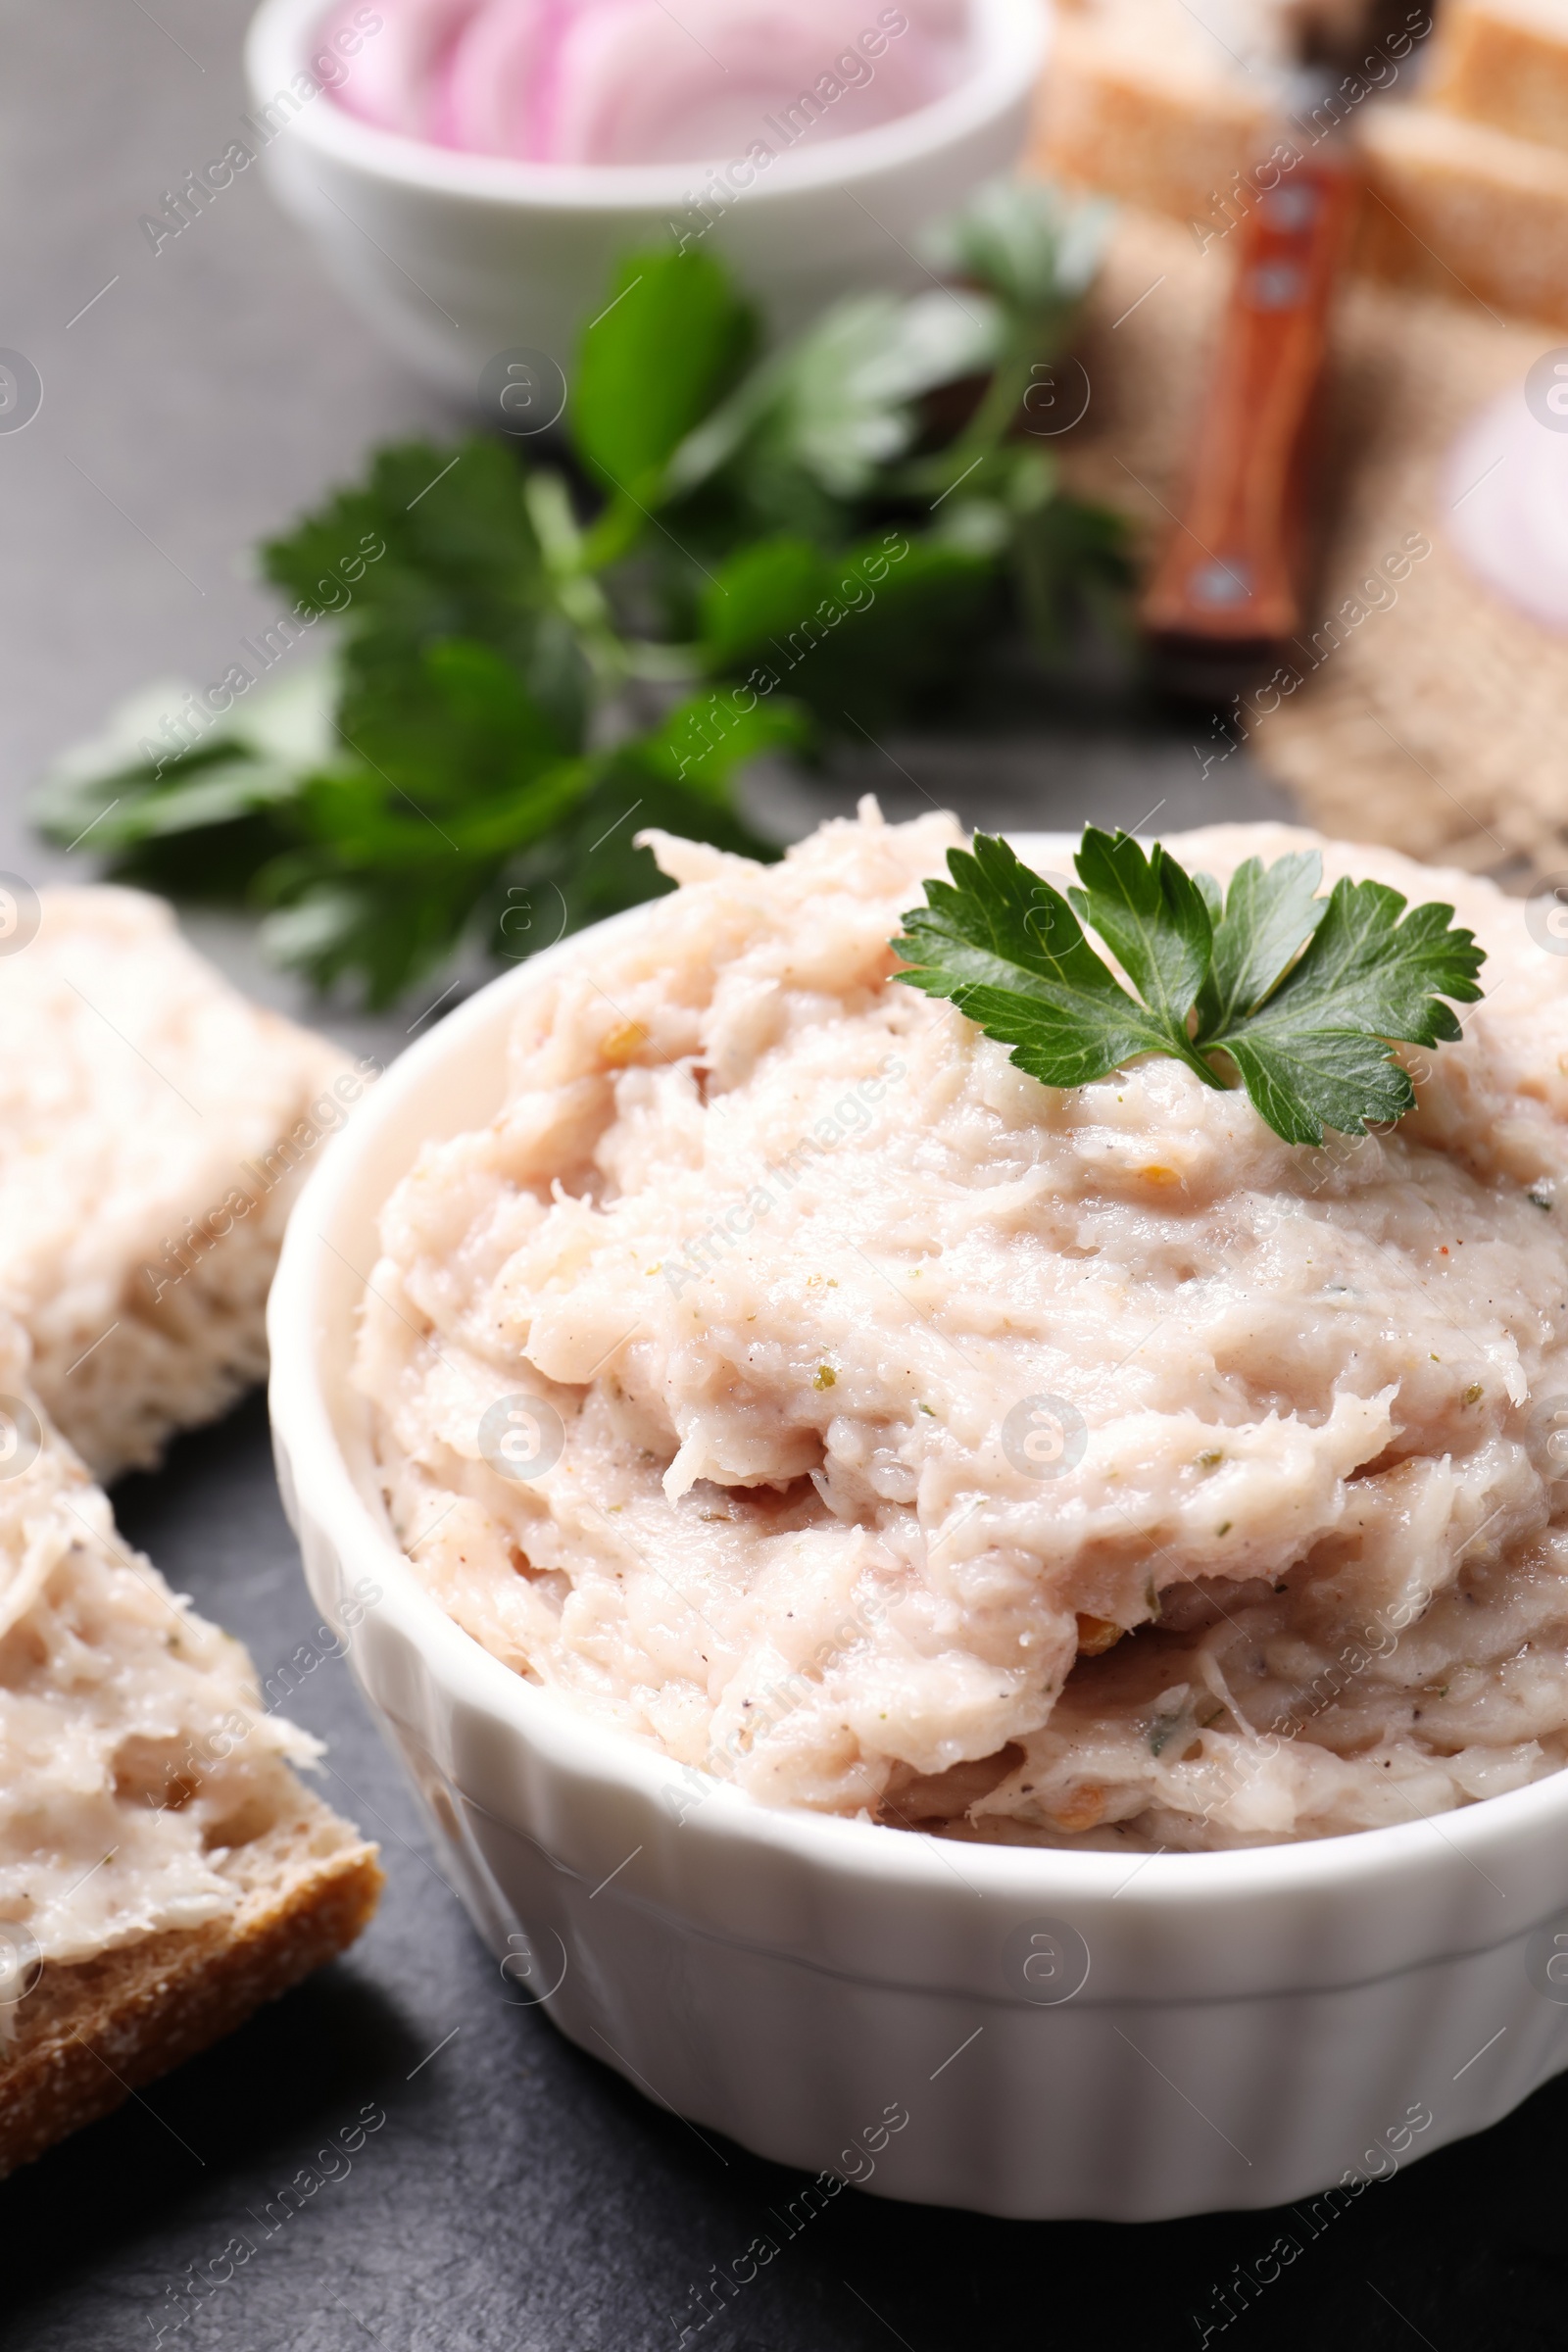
x: 1045, y: 1436
x: 522, y: 1436
x: 1546, y: 391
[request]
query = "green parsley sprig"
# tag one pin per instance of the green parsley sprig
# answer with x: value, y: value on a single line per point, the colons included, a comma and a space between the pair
x: 535, y: 651
x: 1294, y: 994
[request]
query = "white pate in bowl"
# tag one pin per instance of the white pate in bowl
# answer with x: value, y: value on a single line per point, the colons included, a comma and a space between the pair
x: 785, y: 1377
x: 771, y: 1430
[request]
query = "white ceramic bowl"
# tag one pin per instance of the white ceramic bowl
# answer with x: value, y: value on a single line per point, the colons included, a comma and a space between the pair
x: 455, y: 258
x: 1066, y: 2033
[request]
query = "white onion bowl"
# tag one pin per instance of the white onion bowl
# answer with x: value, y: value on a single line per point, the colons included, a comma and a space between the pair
x: 455, y: 258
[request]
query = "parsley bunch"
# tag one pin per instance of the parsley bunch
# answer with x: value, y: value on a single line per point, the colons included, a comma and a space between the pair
x: 1295, y: 995
x: 734, y: 551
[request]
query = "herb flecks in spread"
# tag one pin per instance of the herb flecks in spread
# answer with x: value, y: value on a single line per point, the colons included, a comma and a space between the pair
x: 1301, y: 994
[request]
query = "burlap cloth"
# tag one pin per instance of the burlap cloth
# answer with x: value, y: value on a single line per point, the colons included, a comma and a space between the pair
x: 1441, y: 723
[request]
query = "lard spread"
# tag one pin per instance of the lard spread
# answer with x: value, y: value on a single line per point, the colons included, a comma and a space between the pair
x: 786, y: 1380
x: 135, y: 1753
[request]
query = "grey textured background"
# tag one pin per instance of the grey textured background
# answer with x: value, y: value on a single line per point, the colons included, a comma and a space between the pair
x: 518, y: 2195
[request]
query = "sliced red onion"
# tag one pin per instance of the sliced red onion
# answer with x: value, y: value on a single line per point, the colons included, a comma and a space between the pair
x: 632, y: 82
x: 396, y: 76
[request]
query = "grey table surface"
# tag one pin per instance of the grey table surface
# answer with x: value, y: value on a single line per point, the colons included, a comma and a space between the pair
x: 518, y: 2194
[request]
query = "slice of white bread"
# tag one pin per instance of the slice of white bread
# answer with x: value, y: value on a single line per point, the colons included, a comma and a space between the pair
x: 163, y: 1871
x: 1136, y: 102
x: 1506, y: 62
x: 1460, y: 208
x: 154, y: 1127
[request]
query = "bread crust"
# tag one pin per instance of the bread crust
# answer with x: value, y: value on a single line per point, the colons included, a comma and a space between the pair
x: 1171, y: 142
x: 1460, y: 210
x: 91, y: 2033
x: 1506, y: 64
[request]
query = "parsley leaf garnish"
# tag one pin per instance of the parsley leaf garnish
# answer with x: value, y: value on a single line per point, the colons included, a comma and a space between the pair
x: 1300, y: 995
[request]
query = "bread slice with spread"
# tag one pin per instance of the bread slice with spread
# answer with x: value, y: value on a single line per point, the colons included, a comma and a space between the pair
x: 154, y: 1129
x: 163, y: 1869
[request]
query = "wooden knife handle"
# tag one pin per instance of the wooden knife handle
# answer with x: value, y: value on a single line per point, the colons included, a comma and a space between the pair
x: 1234, y: 571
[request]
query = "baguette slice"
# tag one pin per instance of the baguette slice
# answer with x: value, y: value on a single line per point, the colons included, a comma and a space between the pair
x: 1458, y: 208
x: 163, y: 1871
x: 1148, y: 119
x: 1506, y: 62
x: 154, y: 1128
